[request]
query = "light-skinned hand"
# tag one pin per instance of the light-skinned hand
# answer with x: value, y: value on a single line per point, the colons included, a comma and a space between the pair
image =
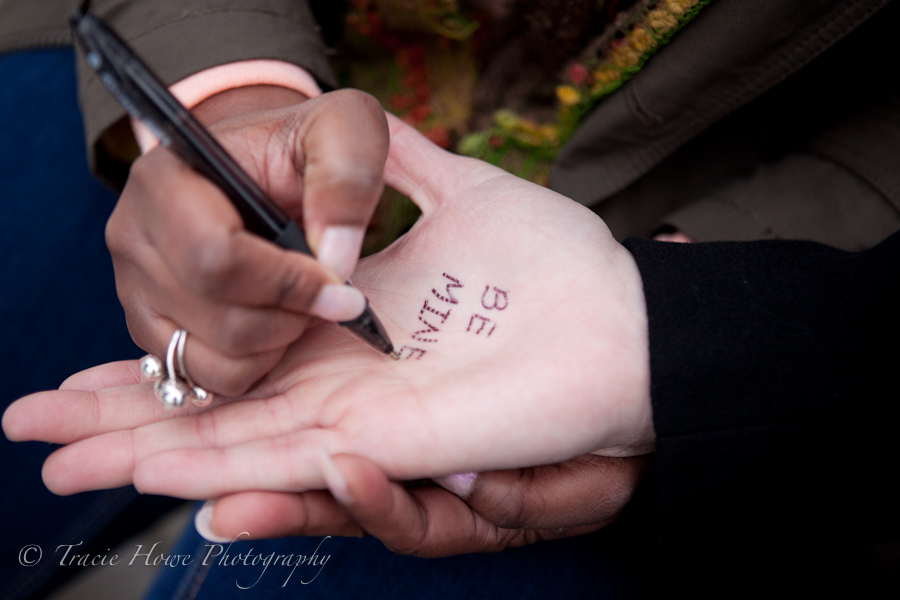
x: 183, y: 258
x: 523, y: 338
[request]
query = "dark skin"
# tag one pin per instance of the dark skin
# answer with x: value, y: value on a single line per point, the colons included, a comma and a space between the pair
x: 504, y: 509
x: 183, y: 259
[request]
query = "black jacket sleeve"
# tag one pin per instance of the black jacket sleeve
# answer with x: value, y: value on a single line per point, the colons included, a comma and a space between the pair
x: 775, y: 402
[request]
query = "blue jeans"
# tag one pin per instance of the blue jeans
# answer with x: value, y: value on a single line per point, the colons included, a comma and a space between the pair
x: 60, y: 314
x: 602, y: 565
x: 58, y: 311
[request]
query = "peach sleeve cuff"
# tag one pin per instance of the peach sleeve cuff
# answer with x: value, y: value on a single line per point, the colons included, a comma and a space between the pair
x: 193, y: 90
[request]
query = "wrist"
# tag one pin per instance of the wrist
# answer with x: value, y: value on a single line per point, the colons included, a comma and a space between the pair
x: 239, y: 101
x: 199, y: 87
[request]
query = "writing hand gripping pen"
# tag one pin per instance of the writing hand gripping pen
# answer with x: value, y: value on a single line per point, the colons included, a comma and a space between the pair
x: 146, y: 98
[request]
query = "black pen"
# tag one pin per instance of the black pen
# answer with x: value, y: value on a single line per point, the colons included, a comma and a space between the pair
x: 146, y: 98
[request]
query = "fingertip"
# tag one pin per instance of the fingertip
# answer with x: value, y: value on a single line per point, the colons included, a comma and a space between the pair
x: 54, y: 477
x: 62, y: 479
x: 339, y: 249
x: 203, y: 524
x: 19, y: 419
x: 59, y: 417
x: 11, y: 422
x: 261, y: 514
x: 367, y: 485
x: 460, y: 484
x: 335, y: 480
x: 339, y: 303
x: 355, y: 482
x: 278, y: 514
x: 76, y: 468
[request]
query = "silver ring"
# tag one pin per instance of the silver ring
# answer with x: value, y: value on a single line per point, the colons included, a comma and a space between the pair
x: 179, y: 355
x: 174, y: 387
x: 199, y: 396
x: 170, y: 352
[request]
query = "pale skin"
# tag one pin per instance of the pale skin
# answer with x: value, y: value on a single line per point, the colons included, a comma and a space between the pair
x: 565, y: 371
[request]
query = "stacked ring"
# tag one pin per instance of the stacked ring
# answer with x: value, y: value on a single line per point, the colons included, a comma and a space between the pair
x: 174, y: 388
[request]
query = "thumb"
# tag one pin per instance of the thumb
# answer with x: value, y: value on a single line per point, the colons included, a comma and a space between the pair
x: 428, y: 523
x: 343, y: 145
x: 426, y: 173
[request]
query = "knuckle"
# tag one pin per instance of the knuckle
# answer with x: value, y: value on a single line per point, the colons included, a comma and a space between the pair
x: 362, y: 186
x: 349, y: 181
x: 297, y: 287
x: 512, y: 538
x: 233, y: 384
x: 360, y: 100
x: 493, y: 538
x: 239, y: 336
x: 526, y: 537
x: 137, y: 329
x: 145, y: 177
x: 210, y: 263
x: 509, y: 509
x: 231, y: 377
x: 512, y: 512
x: 141, y: 323
x: 116, y: 236
x: 408, y: 546
x: 141, y: 170
x: 415, y: 541
x: 205, y: 426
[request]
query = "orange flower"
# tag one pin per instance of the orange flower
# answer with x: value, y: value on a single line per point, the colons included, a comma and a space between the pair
x: 661, y: 20
x: 679, y: 7
x: 604, y: 76
x: 641, y: 40
x: 625, y: 56
x: 568, y: 95
x: 549, y: 132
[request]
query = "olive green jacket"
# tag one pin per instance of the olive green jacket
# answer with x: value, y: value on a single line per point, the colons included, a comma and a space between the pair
x: 764, y: 119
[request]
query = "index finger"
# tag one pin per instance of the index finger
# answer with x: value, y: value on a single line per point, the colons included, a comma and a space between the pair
x: 200, y: 239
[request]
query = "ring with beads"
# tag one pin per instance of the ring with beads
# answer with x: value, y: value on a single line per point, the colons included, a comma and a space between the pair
x: 174, y: 387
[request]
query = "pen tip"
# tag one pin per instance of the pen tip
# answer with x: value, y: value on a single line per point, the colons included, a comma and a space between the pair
x: 394, y: 355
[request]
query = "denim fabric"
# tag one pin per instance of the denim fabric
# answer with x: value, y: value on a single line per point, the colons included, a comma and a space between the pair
x: 58, y: 307
x: 606, y: 564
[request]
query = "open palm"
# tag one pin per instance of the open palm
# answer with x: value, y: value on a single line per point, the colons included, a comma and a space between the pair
x: 523, y: 340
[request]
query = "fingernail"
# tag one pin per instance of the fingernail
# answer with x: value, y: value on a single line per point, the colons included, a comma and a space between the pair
x: 338, y: 302
x: 334, y: 479
x: 339, y: 249
x: 460, y: 484
x: 202, y: 521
